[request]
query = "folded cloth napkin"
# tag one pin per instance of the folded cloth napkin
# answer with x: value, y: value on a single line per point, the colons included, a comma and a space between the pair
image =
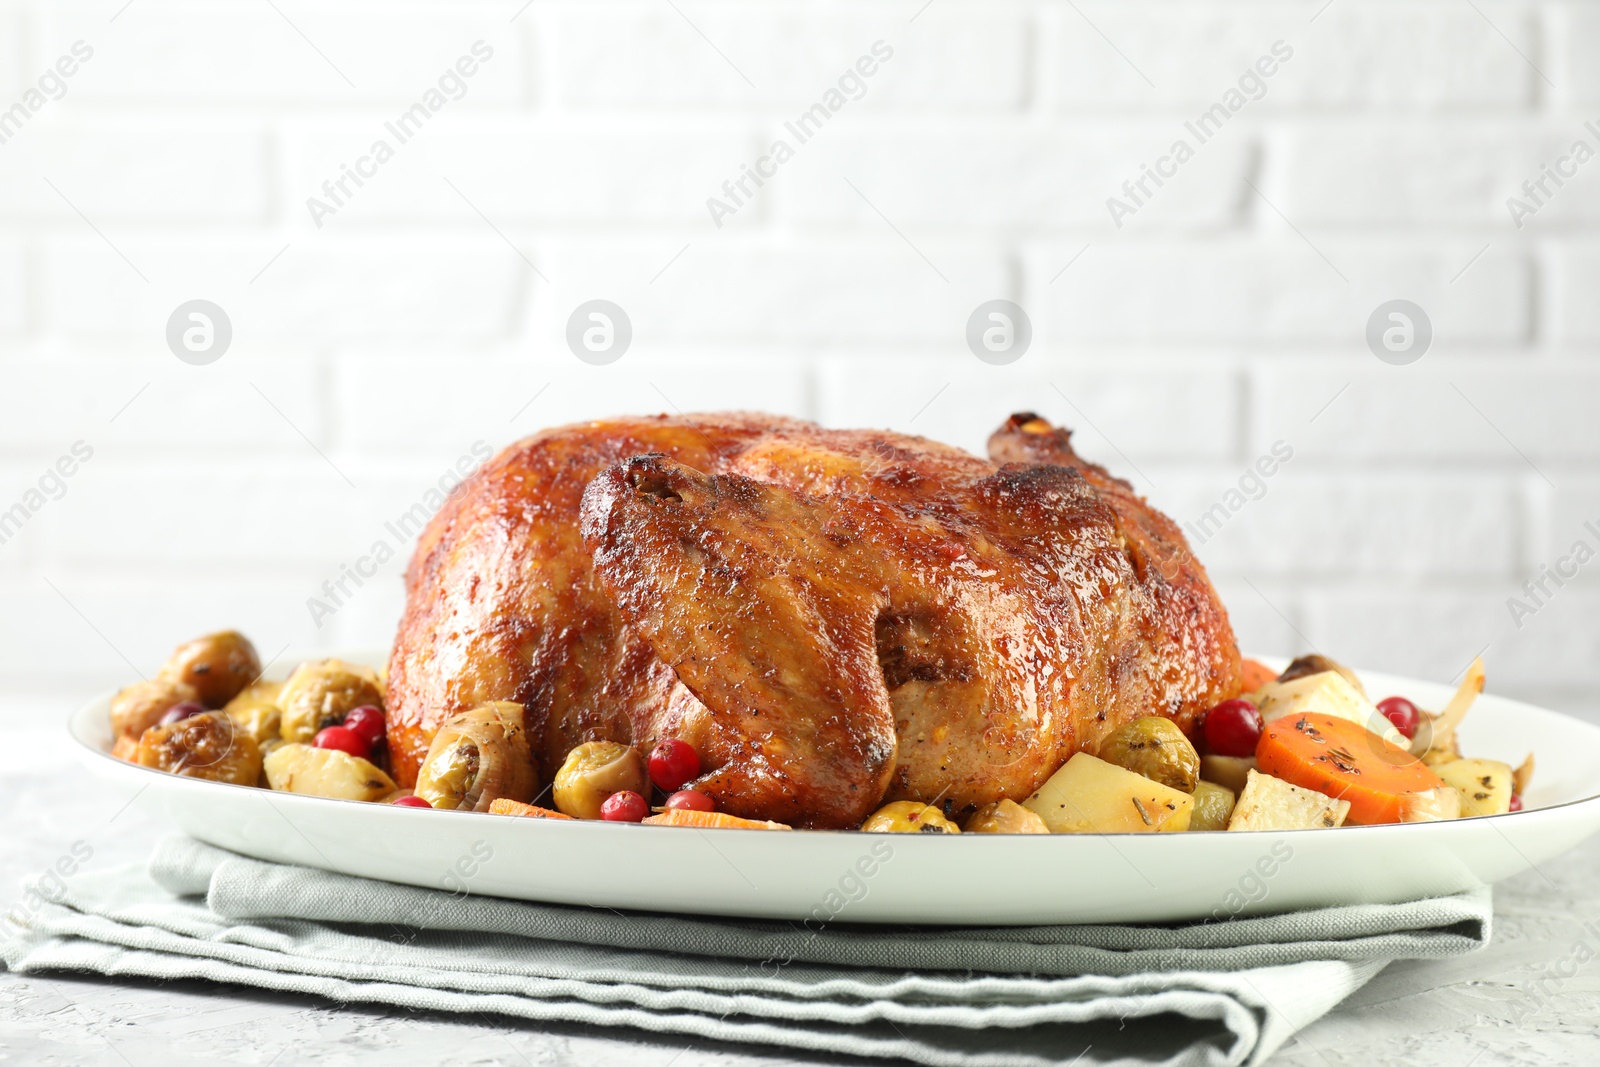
x: 1212, y: 993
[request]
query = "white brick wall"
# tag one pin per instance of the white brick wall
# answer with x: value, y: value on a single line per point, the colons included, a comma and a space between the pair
x: 428, y: 311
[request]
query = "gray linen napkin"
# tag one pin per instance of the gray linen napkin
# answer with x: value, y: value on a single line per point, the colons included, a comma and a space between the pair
x: 1205, y: 994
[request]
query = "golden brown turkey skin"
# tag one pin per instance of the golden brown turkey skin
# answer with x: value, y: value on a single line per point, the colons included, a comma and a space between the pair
x: 832, y: 618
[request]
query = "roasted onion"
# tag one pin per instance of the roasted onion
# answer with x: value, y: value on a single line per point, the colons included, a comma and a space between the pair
x: 478, y: 757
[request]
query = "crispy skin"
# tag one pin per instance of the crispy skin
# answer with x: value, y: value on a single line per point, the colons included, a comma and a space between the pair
x: 1184, y: 630
x: 832, y: 618
x: 763, y: 602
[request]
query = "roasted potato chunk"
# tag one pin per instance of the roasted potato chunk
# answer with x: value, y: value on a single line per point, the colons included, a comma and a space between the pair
x: 1156, y: 748
x: 140, y: 706
x: 478, y: 757
x: 258, y: 692
x: 217, y: 665
x: 909, y: 817
x: 592, y: 772
x: 321, y: 693
x: 255, y: 711
x: 1485, y: 785
x: 1090, y: 796
x: 202, y: 746
x: 1005, y: 817
x: 325, y: 772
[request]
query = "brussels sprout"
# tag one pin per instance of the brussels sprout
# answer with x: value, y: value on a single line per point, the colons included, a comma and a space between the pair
x: 909, y: 817
x: 1155, y: 748
x: 592, y: 772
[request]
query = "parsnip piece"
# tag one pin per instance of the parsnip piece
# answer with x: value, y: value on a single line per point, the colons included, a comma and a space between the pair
x: 1328, y: 693
x: 1313, y: 663
x: 1089, y: 795
x: 1435, y: 805
x: 1269, y: 803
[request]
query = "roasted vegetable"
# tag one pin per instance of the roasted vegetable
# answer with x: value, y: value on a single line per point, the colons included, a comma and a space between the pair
x: 325, y: 772
x: 202, y: 746
x: 526, y: 811
x: 1230, y: 772
x: 255, y: 711
x: 1433, y: 805
x: 255, y: 693
x: 1342, y: 759
x: 321, y: 693
x: 1269, y: 803
x: 909, y: 817
x: 1089, y: 795
x: 1436, y: 740
x: 1485, y: 785
x: 1434, y: 757
x: 140, y: 706
x: 1213, y: 806
x: 592, y: 772
x: 1522, y: 777
x: 1327, y: 693
x: 1255, y: 674
x: 711, y: 820
x: 217, y: 665
x: 1305, y: 666
x: 1156, y: 748
x: 478, y: 757
x: 1005, y: 817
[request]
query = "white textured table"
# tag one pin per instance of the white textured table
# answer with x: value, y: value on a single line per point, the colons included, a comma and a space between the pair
x: 1533, y: 998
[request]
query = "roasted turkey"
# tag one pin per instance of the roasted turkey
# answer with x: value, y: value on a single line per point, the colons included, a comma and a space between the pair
x: 834, y: 619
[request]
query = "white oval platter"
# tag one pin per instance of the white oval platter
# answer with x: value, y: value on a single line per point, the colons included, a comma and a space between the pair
x: 852, y: 877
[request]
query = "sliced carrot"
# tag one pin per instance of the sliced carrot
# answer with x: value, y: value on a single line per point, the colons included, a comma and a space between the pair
x: 710, y: 820
x: 1346, y: 761
x: 503, y: 806
x: 1256, y: 675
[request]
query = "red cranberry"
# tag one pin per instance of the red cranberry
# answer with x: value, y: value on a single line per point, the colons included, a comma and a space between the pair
x: 1516, y: 802
x: 672, y: 763
x: 624, y: 806
x: 345, y: 740
x: 367, y: 722
x: 1233, y: 728
x: 410, y: 800
x: 1403, y: 714
x: 691, y: 800
x: 179, y: 712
